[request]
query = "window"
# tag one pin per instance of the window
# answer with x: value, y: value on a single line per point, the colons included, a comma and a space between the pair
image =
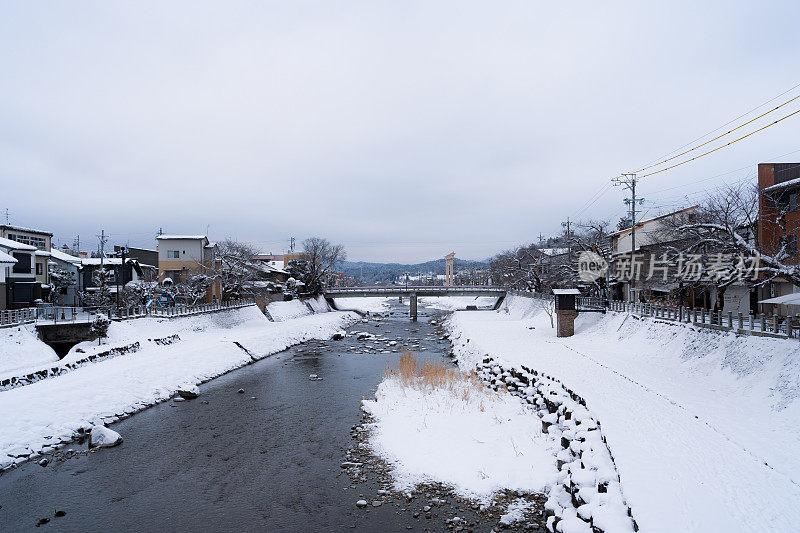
x: 173, y: 254
x: 23, y: 264
x: 38, y: 242
x: 39, y: 270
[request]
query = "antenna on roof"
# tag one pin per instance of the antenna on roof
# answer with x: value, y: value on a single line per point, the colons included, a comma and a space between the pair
x: 7, y: 217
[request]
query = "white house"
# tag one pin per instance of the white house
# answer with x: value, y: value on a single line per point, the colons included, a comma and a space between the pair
x: 6, y: 263
x: 21, y: 287
x: 71, y: 264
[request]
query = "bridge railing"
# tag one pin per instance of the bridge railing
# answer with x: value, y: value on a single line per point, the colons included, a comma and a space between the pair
x: 415, y: 288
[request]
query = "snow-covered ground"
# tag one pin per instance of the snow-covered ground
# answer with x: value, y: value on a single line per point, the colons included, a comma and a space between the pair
x: 50, y: 411
x: 280, y: 311
x: 466, y: 436
x: 20, y: 347
x: 365, y: 305
x: 703, y: 427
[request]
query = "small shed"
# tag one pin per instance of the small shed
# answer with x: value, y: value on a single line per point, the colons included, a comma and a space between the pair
x: 565, y: 299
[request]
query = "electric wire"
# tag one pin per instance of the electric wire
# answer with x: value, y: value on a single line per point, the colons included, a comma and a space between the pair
x: 727, y: 123
x: 720, y: 147
x: 718, y: 136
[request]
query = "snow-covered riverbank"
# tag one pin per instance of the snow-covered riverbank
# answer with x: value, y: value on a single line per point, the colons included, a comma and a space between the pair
x: 702, y: 426
x: 42, y: 415
x: 451, y: 429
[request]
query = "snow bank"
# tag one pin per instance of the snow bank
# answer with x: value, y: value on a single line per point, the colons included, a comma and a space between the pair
x: 456, y: 303
x: 478, y: 444
x: 702, y: 425
x: 39, y: 416
x: 20, y: 347
x: 365, y: 305
x: 280, y: 311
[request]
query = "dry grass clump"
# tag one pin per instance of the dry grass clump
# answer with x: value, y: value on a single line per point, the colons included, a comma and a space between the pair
x: 433, y: 375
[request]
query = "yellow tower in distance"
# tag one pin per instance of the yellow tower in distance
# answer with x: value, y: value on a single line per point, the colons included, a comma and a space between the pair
x: 448, y: 269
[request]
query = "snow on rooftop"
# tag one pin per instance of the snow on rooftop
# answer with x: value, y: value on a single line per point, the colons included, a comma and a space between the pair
x: 57, y: 254
x: 42, y: 253
x: 785, y: 185
x: 567, y: 291
x: 29, y: 230
x: 97, y: 260
x: 186, y: 237
x: 5, y: 258
x: 14, y: 245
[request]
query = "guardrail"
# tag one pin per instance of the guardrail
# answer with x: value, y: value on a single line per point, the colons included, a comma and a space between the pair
x: 760, y: 324
x: 15, y: 317
x: 140, y: 311
x: 740, y: 323
x: 58, y: 314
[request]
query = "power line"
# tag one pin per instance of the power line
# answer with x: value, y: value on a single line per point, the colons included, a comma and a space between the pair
x: 727, y: 123
x: 593, y: 199
x: 721, y: 147
x: 720, y: 136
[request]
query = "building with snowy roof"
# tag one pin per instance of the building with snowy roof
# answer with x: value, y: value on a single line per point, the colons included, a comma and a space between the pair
x: 181, y: 257
x: 779, y: 223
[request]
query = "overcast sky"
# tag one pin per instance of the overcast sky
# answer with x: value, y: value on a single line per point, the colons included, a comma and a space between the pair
x: 403, y: 130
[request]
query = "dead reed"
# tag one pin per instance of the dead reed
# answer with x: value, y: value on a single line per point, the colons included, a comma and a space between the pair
x: 432, y: 375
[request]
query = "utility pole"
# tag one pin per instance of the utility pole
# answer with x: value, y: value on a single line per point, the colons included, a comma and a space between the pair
x: 103, y: 240
x: 291, y: 244
x: 8, y: 218
x: 121, y: 275
x: 629, y: 181
x: 569, y: 242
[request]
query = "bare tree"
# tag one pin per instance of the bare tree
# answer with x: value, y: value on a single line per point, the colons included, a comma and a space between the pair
x: 721, y: 234
x: 322, y: 257
x: 519, y: 268
x: 591, y: 236
x: 233, y: 268
x: 548, y: 306
x: 60, y: 281
x: 101, y: 295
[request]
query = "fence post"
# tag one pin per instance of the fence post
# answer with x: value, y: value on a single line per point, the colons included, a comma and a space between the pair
x: 741, y: 320
x: 730, y: 320
x: 775, y: 321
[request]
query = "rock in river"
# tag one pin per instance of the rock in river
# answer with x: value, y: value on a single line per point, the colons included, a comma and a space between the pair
x: 102, y: 437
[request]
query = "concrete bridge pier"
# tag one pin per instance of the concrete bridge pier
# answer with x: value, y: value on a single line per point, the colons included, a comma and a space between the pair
x: 413, y: 305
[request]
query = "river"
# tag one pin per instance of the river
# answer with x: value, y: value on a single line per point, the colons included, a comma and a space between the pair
x: 267, y: 459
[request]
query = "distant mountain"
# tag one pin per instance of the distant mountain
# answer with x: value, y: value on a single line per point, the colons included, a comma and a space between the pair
x: 388, y: 272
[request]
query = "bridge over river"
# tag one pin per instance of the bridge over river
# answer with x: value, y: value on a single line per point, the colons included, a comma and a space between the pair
x: 413, y: 292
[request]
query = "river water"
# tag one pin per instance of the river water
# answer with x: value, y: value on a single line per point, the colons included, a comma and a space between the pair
x: 267, y: 459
